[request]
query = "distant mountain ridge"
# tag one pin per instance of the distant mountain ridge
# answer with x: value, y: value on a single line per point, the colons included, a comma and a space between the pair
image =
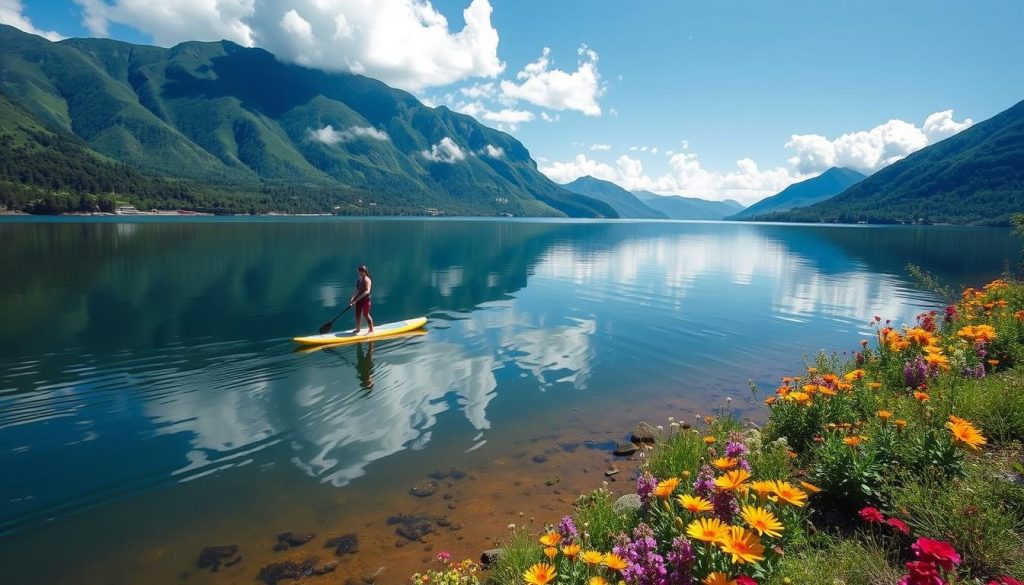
x: 230, y: 117
x: 679, y: 207
x: 973, y: 177
x: 626, y: 204
x: 828, y: 184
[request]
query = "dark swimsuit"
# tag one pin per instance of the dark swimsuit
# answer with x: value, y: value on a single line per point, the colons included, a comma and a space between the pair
x: 363, y: 304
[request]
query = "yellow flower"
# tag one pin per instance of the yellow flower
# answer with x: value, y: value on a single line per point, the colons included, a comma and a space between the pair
x: 571, y: 550
x: 732, y: 479
x: 874, y: 385
x: 592, y: 557
x: 801, y: 397
x: 761, y: 488
x: 810, y: 487
x: 550, y: 538
x: 854, y: 375
x: 539, y: 574
x: 706, y: 529
x: 762, y: 520
x: 665, y: 488
x: 725, y: 463
x: 597, y: 580
x: 614, y: 562
x: 789, y: 493
x: 708, y: 440
x: 550, y: 552
x: 718, y: 578
x: 900, y: 423
x: 743, y: 545
x: 966, y: 433
x: 885, y: 414
x: 694, y: 504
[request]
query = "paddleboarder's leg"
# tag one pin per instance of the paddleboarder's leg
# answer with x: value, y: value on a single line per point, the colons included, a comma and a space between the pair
x: 369, y: 319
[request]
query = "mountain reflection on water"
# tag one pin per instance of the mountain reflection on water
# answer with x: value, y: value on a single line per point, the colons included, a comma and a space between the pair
x: 138, y: 355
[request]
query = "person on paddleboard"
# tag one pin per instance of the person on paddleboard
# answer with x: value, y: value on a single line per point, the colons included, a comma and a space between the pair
x: 361, y: 298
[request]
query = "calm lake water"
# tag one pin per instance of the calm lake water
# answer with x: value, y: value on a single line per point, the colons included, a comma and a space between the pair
x: 151, y: 403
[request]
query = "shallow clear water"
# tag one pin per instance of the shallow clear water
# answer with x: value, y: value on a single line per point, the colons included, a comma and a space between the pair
x: 151, y: 402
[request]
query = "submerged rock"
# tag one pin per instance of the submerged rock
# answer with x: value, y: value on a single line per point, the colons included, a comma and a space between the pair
x: 293, y: 539
x: 625, y: 449
x: 212, y: 557
x: 346, y: 544
x: 612, y: 470
x: 451, y: 472
x: 539, y: 458
x: 428, y: 489
x: 644, y: 433
x: 412, y: 527
x: 275, y: 572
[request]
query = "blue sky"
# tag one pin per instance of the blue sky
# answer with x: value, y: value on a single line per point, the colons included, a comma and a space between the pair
x: 736, y: 80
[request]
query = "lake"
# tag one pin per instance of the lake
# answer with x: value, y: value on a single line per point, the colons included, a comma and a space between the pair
x: 152, y: 404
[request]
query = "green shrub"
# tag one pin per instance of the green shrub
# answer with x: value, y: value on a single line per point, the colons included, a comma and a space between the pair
x: 519, y: 551
x: 839, y: 562
x: 596, y: 518
x: 680, y: 451
x: 995, y: 404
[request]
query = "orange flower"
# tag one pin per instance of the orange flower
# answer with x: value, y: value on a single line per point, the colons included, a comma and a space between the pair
x: 725, y: 463
x: 550, y: 538
x: 789, y: 493
x: 900, y: 423
x: 854, y: 375
x: 550, y: 552
x: 743, y: 545
x: 770, y: 400
x: 694, y: 504
x: 993, y: 363
x: 539, y: 574
x: 884, y: 414
x: 921, y: 396
x: 732, y: 479
x: 665, y: 488
x: 708, y: 440
x: 614, y: 562
x: 592, y: 557
x: 707, y: 529
x: 761, y: 488
x: 965, y: 433
x: 762, y: 520
x: 718, y: 578
x: 852, y: 440
x: 571, y: 550
x: 810, y: 487
x: 1019, y: 315
x: 801, y: 397
x: 874, y: 385
x: 826, y: 390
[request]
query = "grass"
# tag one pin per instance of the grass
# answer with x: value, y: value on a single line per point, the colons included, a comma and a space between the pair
x: 519, y: 552
x: 838, y: 561
x: 595, y: 516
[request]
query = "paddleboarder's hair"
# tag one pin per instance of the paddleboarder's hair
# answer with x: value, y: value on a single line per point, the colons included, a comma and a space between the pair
x: 362, y: 268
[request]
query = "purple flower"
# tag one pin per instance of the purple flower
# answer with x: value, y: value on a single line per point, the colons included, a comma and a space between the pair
x: 977, y: 371
x: 680, y: 561
x: 644, y: 566
x: 704, y: 485
x: 645, y: 485
x: 915, y: 372
x: 568, y: 529
x: 979, y: 349
x: 736, y: 449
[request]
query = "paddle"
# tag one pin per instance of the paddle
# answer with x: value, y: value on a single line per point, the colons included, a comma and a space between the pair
x: 327, y: 326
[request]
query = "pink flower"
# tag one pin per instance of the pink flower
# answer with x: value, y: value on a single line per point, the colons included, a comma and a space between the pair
x: 898, y: 525
x: 444, y: 556
x: 936, y: 551
x: 922, y: 573
x: 870, y: 514
x: 744, y: 580
x: 1005, y: 581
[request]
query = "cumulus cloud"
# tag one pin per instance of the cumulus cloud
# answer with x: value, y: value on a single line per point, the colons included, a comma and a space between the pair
x: 328, y: 135
x: 686, y: 176
x: 407, y: 43
x: 445, y: 151
x: 507, y: 118
x: 871, y: 150
x: 493, y: 151
x: 12, y: 13
x: 600, y: 147
x: 556, y: 89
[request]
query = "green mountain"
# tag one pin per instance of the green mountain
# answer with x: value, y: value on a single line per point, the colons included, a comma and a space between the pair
x: 221, y: 120
x: 974, y: 177
x: 623, y: 202
x: 828, y: 184
x: 677, y: 207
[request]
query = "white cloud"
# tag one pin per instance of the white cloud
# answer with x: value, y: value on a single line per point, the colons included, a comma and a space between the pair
x: 550, y: 118
x: 406, y: 43
x: 600, y: 147
x: 557, y: 90
x: 328, y: 135
x: 493, y: 151
x: 870, y: 150
x: 480, y: 90
x: 686, y: 176
x: 445, y: 151
x: 11, y: 12
x: 505, y: 117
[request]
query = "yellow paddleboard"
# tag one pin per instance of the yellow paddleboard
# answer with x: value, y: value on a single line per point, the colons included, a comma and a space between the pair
x: 349, y: 336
